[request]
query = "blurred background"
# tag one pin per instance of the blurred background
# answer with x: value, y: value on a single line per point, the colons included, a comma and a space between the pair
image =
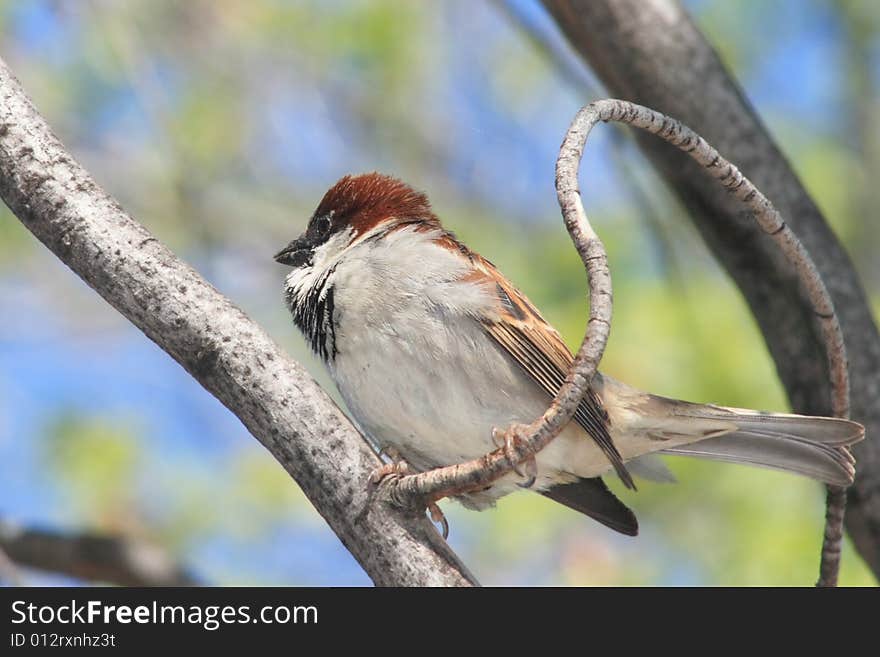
x: 219, y: 125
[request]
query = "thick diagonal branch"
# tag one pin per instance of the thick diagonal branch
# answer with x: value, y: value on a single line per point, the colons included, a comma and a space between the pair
x: 220, y: 346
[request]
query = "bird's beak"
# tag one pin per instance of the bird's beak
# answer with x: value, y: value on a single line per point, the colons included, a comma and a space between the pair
x: 296, y: 254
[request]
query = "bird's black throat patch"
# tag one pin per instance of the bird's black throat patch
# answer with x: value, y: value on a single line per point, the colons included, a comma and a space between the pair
x: 313, y: 313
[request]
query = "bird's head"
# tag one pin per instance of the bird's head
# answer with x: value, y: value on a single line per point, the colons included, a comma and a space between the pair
x: 354, y: 209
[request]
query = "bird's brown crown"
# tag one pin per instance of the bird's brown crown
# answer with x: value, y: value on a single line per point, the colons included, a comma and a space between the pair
x: 366, y: 200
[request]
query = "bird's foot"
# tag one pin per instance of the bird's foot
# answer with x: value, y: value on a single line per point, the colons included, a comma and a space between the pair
x: 396, y: 467
x: 513, y: 446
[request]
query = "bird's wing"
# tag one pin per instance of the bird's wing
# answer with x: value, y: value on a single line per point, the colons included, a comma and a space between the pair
x: 539, y: 351
x: 593, y: 498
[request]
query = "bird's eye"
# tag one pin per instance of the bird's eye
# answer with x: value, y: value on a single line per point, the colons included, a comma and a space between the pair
x: 321, y: 226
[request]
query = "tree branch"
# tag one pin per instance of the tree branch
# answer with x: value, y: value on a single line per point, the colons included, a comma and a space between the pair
x: 525, y: 441
x: 92, y: 557
x: 650, y: 52
x: 223, y: 349
x: 9, y: 572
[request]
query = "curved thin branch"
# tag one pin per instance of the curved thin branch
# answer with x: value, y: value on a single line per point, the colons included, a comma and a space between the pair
x: 222, y: 348
x: 822, y: 307
x: 531, y: 438
x: 92, y: 557
x: 652, y: 52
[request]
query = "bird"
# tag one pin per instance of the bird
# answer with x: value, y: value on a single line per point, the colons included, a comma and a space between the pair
x: 431, y: 348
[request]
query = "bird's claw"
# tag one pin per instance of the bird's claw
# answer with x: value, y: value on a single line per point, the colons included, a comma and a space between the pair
x: 529, y: 473
x: 439, y: 517
x: 511, y: 443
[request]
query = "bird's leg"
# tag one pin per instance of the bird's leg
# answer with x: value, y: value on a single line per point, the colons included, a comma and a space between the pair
x: 511, y: 442
x: 396, y: 467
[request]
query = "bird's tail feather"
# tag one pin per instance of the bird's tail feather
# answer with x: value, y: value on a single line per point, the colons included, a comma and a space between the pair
x: 809, y: 446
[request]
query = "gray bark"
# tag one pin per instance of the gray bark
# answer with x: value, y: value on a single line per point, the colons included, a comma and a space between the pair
x: 650, y: 52
x: 223, y: 349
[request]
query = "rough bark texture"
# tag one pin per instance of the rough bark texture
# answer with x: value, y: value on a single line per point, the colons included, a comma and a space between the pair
x: 224, y: 350
x: 650, y: 52
x: 92, y: 557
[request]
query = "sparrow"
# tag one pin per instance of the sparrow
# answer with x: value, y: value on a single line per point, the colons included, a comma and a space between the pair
x: 431, y: 347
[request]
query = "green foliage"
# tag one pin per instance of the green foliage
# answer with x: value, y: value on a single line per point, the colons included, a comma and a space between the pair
x: 93, y: 459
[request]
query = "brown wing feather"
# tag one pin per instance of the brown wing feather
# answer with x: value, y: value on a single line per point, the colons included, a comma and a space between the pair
x: 539, y: 350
